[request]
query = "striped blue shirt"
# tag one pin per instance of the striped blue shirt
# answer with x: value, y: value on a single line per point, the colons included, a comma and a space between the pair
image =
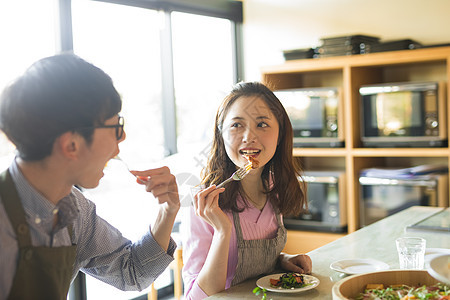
x: 102, y: 251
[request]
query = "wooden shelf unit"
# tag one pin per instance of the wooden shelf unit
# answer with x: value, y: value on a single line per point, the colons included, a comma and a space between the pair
x: 349, y: 73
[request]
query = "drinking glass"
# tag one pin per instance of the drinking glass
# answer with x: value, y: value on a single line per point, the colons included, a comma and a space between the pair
x: 411, y: 252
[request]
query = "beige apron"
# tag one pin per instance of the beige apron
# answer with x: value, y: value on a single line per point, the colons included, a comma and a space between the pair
x: 257, y: 257
x: 42, y: 272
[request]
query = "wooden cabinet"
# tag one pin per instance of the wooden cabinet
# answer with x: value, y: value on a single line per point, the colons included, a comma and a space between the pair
x: 305, y: 241
x: 349, y: 73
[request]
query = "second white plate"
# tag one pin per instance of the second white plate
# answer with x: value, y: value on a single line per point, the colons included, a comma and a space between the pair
x: 358, y: 266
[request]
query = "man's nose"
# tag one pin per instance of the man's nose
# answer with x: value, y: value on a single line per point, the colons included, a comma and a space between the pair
x: 124, y: 136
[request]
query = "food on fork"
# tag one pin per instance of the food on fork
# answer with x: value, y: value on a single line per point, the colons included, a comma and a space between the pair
x: 253, y: 161
x: 248, y: 167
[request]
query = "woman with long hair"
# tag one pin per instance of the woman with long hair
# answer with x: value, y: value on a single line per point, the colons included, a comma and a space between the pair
x: 236, y: 232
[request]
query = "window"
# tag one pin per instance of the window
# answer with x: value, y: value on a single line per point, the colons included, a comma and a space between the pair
x: 155, y: 52
x: 203, y: 73
x: 26, y: 35
x: 124, y: 42
x: 149, y: 63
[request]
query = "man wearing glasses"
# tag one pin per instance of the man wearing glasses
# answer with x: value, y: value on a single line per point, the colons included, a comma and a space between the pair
x: 62, y: 116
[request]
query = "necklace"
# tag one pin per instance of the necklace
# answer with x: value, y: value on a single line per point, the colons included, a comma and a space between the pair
x: 254, y: 194
x: 258, y: 205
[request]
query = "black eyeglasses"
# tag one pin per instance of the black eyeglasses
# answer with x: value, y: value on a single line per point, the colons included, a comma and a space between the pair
x: 118, y: 127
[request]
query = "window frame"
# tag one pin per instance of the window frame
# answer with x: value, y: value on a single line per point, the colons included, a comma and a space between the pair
x: 226, y: 9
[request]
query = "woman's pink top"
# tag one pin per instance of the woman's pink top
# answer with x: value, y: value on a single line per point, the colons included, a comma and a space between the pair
x: 197, y: 238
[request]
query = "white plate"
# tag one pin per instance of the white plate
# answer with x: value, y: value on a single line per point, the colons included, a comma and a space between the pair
x: 439, y: 268
x: 430, y: 253
x: 358, y: 266
x: 264, y: 283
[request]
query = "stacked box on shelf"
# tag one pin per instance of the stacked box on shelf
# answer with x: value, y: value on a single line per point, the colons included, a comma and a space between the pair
x: 395, y: 45
x: 346, y: 45
x: 298, y: 54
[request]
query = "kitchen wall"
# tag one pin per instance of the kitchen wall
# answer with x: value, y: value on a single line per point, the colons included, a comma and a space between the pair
x: 271, y: 26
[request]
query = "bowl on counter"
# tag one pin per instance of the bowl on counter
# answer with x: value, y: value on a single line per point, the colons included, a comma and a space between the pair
x: 350, y: 287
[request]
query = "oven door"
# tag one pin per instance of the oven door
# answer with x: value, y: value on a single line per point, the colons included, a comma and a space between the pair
x: 401, y: 115
x: 381, y: 197
x: 325, y: 212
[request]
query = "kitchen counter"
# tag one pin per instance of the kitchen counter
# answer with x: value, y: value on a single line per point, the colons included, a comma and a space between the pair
x: 376, y: 241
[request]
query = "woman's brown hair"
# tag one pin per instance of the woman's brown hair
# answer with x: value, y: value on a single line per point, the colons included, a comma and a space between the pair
x: 281, y: 176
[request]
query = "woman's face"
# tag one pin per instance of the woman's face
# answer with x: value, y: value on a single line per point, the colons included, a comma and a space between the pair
x: 250, y: 129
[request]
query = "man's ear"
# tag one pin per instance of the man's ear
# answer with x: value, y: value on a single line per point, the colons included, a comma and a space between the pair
x: 68, y: 144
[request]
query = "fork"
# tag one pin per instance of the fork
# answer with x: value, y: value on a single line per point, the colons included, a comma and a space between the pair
x: 238, y: 175
x: 117, y: 157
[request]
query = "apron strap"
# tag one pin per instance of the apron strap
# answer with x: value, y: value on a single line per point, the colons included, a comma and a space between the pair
x: 237, y: 226
x: 14, y: 209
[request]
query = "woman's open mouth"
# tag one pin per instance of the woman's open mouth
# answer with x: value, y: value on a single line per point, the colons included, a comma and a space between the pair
x: 251, y: 156
x: 247, y: 152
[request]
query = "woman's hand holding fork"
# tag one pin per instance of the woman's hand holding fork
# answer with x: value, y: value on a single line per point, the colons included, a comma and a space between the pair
x: 206, y: 206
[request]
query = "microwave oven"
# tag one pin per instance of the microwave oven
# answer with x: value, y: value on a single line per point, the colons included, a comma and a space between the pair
x: 408, y: 114
x: 326, y: 203
x: 315, y: 115
x: 382, y: 197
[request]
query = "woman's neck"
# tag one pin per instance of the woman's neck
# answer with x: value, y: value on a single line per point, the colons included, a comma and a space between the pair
x: 254, y: 190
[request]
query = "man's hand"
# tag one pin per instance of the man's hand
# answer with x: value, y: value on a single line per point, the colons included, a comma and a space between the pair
x: 163, y: 185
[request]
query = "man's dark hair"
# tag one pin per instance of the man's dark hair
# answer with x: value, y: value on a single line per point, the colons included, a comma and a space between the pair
x: 55, y: 95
